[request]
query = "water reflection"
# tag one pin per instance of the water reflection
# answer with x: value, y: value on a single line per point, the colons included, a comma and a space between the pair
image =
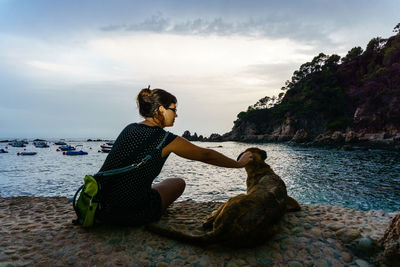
x: 355, y: 179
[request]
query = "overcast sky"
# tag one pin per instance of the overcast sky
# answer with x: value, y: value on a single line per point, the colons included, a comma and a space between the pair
x: 74, y: 68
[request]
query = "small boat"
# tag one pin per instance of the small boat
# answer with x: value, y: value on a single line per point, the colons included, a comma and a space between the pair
x: 105, y: 150
x: 3, y: 151
x: 67, y: 148
x: 40, y: 144
x: 75, y: 153
x: 60, y: 143
x: 111, y: 143
x: 17, y: 144
x: 26, y: 153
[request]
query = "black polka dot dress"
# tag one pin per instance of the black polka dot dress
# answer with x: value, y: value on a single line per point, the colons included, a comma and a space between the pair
x: 128, y: 198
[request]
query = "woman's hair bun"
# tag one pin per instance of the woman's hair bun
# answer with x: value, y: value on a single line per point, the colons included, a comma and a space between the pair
x: 149, y: 100
x: 146, y: 92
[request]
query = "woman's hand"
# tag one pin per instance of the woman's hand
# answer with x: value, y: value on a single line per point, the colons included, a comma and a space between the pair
x: 245, y: 158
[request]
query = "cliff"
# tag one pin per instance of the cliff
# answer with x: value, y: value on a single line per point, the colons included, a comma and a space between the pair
x: 332, y: 100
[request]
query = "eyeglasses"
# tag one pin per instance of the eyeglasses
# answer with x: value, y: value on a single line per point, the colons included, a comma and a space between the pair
x: 173, y: 109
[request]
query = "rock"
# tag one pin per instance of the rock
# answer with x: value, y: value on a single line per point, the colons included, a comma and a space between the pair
x: 71, y: 261
x: 365, y: 244
x: 295, y: 264
x: 351, y: 137
x: 252, y: 138
x: 347, y: 235
x: 337, y: 137
x: 300, y: 136
x: 362, y: 263
x: 347, y: 257
x: 335, y: 226
x: 323, y: 139
x: 215, y: 138
x: 391, y: 243
x: 347, y: 148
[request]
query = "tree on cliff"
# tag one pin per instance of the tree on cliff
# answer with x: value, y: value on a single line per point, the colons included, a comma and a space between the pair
x: 330, y: 91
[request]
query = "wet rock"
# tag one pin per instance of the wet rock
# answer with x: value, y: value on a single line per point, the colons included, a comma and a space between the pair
x: 347, y: 148
x: 350, y: 137
x: 337, y: 137
x: 300, y: 136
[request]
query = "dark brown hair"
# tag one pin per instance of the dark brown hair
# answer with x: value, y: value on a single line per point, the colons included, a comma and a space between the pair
x: 149, y: 101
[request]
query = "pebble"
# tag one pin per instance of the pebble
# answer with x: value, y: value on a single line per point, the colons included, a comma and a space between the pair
x: 362, y: 263
x: 347, y: 257
x: 9, y: 251
x: 365, y: 244
x: 307, y: 226
x: 347, y: 235
x: 71, y: 261
x: 335, y: 226
x: 316, y: 236
x: 295, y: 264
x: 321, y: 263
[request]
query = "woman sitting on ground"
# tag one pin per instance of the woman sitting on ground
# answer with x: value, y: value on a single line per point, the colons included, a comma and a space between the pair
x: 131, y: 198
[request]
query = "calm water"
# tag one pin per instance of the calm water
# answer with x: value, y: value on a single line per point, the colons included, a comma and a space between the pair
x: 365, y: 180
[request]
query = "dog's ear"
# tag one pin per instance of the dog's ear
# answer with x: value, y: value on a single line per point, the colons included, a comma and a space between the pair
x: 263, y: 155
x: 239, y: 156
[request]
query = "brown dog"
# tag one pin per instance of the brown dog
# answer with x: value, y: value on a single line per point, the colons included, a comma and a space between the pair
x: 245, y: 220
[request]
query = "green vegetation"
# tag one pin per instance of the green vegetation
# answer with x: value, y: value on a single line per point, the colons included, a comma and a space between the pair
x: 330, y: 89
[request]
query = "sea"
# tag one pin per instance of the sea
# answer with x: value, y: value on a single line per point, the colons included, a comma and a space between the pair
x: 363, y: 180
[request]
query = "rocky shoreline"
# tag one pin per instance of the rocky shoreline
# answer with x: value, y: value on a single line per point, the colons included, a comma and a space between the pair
x: 343, y: 140
x: 37, y: 231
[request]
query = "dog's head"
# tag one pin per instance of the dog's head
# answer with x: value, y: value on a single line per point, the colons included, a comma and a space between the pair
x: 258, y: 154
x: 257, y: 167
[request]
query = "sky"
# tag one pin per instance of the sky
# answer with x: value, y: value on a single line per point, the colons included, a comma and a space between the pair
x: 73, y: 69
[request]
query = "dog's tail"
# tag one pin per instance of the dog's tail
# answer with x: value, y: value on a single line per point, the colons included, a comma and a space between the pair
x: 171, y: 232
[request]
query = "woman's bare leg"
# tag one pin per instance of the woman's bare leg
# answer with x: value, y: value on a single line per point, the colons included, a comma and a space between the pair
x: 170, y: 189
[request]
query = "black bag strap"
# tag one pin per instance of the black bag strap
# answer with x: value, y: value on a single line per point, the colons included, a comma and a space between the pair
x: 134, y: 166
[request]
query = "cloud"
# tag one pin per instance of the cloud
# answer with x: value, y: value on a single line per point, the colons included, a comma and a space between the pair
x: 259, y: 27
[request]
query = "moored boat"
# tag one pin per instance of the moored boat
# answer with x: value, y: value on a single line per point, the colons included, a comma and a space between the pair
x: 17, y: 144
x: 60, y: 143
x: 3, y: 151
x: 67, y: 148
x: 75, y: 153
x: 40, y: 144
x: 106, y: 148
x: 25, y: 153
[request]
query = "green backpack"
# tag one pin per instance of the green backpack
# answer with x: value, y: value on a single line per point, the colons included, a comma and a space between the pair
x: 87, y: 203
x: 90, y: 192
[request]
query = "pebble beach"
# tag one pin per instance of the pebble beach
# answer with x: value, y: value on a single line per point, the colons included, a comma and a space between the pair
x: 37, y: 231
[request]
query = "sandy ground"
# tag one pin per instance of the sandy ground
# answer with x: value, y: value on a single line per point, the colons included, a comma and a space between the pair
x: 37, y: 231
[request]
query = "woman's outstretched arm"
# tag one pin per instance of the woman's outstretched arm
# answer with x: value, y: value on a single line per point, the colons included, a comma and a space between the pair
x: 183, y: 148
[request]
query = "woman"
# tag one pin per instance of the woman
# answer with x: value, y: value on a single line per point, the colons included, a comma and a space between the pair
x: 130, y: 198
